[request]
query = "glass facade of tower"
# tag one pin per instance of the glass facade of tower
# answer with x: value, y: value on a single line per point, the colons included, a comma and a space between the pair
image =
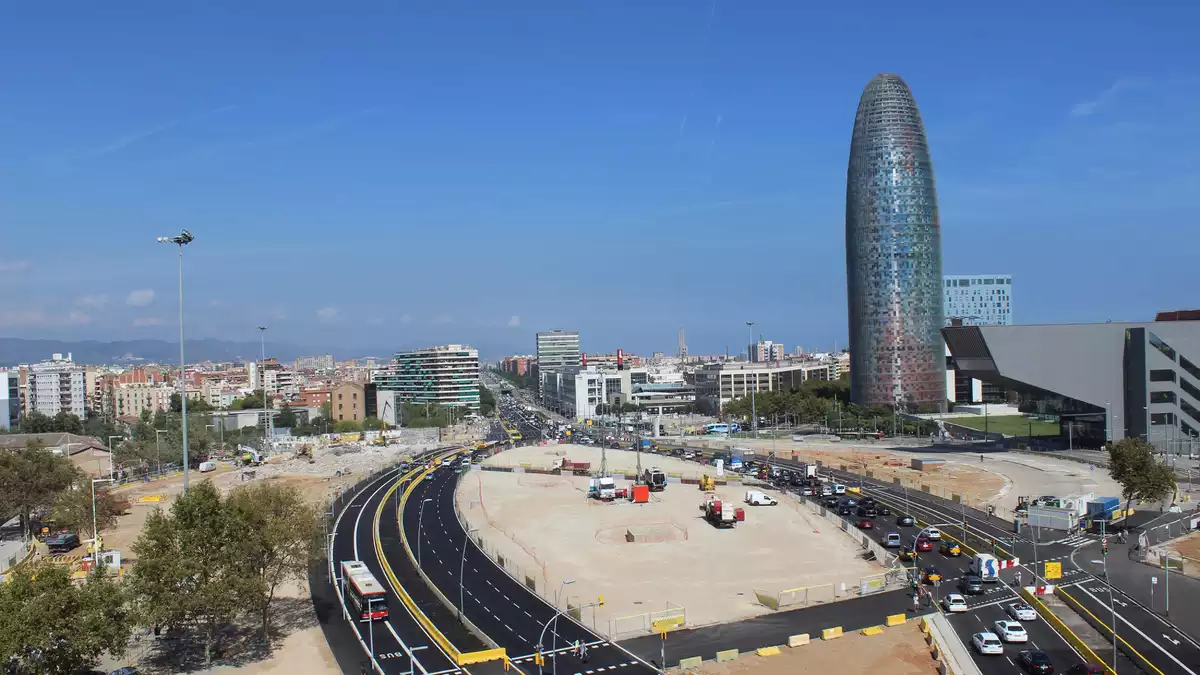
x: 893, y: 254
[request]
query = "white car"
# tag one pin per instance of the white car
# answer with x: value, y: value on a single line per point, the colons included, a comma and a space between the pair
x: 446, y: 462
x: 987, y: 643
x: 826, y: 490
x: 1021, y: 612
x: 933, y: 533
x: 1011, y: 631
x: 954, y: 603
x: 839, y: 489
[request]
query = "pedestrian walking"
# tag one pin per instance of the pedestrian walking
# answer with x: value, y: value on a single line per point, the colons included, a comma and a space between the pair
x: 916, y: 602
x: 575, y: 648
x: 1017, y: 576
x: 583, y: 653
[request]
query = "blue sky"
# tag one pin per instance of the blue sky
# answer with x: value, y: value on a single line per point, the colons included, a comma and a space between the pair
x: 386, y: 174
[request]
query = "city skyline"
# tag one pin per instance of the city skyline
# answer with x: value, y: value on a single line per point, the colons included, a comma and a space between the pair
x: 893, y: 253
x: 713, y: 135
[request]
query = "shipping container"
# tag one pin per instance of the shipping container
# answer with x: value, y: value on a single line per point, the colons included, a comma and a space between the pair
x: 1103, y: 505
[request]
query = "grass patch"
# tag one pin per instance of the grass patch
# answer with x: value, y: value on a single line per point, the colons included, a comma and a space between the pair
x: 1009, y: 425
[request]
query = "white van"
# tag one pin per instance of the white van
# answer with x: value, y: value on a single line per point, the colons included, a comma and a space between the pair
x: 205, y: 467
x: 756, y: 498
x: 839, y: 489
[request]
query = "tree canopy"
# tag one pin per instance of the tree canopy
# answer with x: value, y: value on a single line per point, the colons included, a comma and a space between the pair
x: 31, y: 478
x: 1142, y: 476
x: 49, y: 624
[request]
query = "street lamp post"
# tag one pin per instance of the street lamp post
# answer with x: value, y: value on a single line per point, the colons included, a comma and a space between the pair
x: 753, y: 408
x: 371, y: 629
x: 158, y: 448
x: 96, y: 557
x: 420, y: 530
x: 262, y: 382
x: 181, y: 240
x: 462, y: 567
x: 110, y: 455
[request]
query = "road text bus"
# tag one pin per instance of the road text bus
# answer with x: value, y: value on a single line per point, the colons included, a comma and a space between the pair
x: 720, y: 428
x: 365, y: 596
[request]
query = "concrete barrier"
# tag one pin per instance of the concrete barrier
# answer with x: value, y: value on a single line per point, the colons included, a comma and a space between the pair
x: 872, y: 630
x: 897, y: 620
x: 798, y: 640
x: 831, y: 633
x: 727, y: 655
x: 690, y: 662
x: 767, y: 651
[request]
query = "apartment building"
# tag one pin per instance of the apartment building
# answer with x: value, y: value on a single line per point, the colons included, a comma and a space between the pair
x: 10, y: 399
x: 57, y: 385
x: 446, y: 375
x: 132, y: 399
x: 719, y: 383
x: 348, y: 402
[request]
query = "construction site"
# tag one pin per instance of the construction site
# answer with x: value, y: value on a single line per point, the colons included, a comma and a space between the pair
x: 691, y: 547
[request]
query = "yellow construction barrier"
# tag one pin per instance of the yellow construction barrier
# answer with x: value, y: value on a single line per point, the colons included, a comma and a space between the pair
x: 481, y: 656
x: 668, y: 623
x: 872, y: 630
x: 897, y: 620
x: 923, y: 625
x: 727, y: 655
x: 152, y: 499
x: 1061, y: 628
x: 831, y: 633
x: 690, y: 662
x: 798, y: 640
x: 767, y: 651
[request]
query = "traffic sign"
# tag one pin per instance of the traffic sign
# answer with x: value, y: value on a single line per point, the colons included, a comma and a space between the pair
x: 1053, y: 570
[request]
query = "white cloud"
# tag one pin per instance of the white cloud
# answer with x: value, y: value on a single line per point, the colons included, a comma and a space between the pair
x: 514, y: 321
x: 143, y: 321
x: 97, y: 301
x: 329, y: 314
x: 140, y: 298
x: 14, y: 265
x: 404, y: 318
x: 1085, y: 108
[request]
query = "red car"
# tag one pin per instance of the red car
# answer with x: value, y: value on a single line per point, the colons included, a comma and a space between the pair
x: 865, y: 524
x: 924, y: 544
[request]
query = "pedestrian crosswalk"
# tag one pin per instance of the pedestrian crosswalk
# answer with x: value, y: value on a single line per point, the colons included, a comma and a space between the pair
x: 1075, y: 541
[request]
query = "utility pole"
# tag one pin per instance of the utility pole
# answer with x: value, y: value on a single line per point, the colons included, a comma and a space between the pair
x: 262, y: 382
x: 753, y: 407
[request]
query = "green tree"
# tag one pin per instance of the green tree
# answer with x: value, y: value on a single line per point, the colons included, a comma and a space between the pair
x: 30, y: 478
x: 49, y: 624
x: 374, y: 424
x: 279, y: 536
x: 72, y: 507
x: 347, y: 425
x: 1131, y: 462
x: 251, y: 401
x: 327, y: 410
x: 487, y: 402
x: 187, y: 572
x: 195, y: 405
x: 286, y: 419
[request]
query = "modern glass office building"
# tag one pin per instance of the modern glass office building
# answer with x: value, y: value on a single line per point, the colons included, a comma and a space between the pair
x: 893, y: 254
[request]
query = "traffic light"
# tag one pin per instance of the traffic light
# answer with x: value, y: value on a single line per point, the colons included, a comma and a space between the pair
x: 538, y: 659
x: 600, y: 600
x: 1104, y: 545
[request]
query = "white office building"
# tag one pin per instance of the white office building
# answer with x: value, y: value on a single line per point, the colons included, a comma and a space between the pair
x: 447, y: 376
x: 57, y: 385
x: 978, y: 299
x: 558, y: 349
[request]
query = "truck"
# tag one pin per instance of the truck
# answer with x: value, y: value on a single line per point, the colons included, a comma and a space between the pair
x: 758, y: 498
x: 1102, y: 508
x: 808, y: 470
x: 986, y: 567
x: 603, y: 487
x: 655, y: 478
x: 720, y: 514
x: 576, y: 468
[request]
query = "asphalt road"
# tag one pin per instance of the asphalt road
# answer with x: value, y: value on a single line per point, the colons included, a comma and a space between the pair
x: 1164, y: 642
x: 497, y: 604
x: 392, y: 640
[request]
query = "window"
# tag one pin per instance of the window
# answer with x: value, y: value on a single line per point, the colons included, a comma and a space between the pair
x: 1190, y: 367
x: 1158, y: 419
x: 1162, y: 397
x: 1189, y: 389
x: 1162, y: 375
x: 1161, y: 346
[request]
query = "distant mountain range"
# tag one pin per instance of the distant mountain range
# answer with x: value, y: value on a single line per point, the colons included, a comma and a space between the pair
x: 16, y: 351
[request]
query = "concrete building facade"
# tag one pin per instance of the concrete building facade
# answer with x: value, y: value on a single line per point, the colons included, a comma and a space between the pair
x: 558, y: 349
x: 1108, y: 380
x: 10, y: 399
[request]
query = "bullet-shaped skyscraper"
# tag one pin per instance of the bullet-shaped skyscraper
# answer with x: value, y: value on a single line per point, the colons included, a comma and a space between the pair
x: 893, y: 254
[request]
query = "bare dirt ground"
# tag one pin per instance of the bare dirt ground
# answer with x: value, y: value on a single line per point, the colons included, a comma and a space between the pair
x: 1189, y: 548
x: 997, y: 480
x: 546, y: 528
x: 896, y: 651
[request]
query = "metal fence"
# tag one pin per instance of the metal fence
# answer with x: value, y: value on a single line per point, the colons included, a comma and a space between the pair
x: 892, y: 577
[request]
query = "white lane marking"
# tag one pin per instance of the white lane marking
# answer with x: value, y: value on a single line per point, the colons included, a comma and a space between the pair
x: 411, y: 655
x: 1139, y: 632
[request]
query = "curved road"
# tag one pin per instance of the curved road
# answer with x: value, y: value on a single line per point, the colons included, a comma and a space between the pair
x: 499, y: 605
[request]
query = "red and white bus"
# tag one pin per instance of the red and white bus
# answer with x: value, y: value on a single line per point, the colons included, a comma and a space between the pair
x: 365, y: 596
